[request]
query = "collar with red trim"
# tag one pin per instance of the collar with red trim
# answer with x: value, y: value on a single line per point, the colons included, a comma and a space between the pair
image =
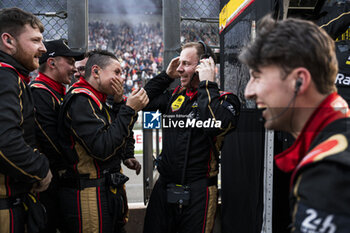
x: 83, y: 83
x: 332, y: 108
x: 11, y: 62
x: 24, y: 78
x: 52, y: 83
x: 191, y: 92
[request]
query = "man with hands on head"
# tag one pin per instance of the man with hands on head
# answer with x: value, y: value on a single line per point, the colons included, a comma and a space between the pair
x: 184, y: 197
x: 22, y: 168
x: 95, y: 139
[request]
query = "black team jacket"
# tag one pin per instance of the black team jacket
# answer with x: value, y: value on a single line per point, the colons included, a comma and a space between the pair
x: 21, y: 164
x: 205, y: 104
x: 321, y: 194
x: 48, y: 96
x: 94, y: 137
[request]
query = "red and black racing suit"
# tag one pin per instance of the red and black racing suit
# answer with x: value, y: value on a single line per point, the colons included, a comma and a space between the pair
x: 320, y: 161
x: 203, y: 104
x: 95, y: 138
x: 48, y: 96
x: 21, y: 164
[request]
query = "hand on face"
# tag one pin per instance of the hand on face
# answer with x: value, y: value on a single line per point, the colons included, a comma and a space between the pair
x: 206, y: 69
x: 171, y: 70
x: 138, y: 99
x: 118, y: 88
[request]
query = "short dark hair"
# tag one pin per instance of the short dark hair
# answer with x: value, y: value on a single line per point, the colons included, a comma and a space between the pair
x: 102, y: 58
x: 12, y: 21
x: 293, y: 43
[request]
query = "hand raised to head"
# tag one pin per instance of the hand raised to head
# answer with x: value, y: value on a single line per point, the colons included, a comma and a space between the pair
x: 171, y: 70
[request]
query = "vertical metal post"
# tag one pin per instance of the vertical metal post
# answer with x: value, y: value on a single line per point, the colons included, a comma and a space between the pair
x: 285, y: 8
x: 147, y: 164
x: 268, y: 181
x: 78, y: 24
x: 171, y: 31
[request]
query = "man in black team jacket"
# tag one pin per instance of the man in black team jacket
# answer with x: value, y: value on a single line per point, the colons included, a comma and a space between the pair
x: 293, y: 67
x: 22, y: 167
x: 95, y: 138
x: 56, y: 69
x: 184, y: 198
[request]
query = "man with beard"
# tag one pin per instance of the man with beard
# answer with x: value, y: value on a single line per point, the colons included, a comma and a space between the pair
x: 22, y: 168
x: 56, y: 69
x: 184, y: 198
x: 293, y: 67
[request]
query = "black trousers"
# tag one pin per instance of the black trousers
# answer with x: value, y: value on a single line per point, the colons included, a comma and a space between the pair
x: 50, y: 200
x: 197, y: 217
x: 93, y: 209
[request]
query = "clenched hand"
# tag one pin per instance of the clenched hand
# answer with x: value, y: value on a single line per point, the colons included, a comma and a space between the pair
x: 138, y: 99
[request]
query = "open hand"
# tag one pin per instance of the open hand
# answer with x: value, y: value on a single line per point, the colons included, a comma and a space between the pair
x: 171, y: 70
x: 118, y: 87
x: 206, y: 69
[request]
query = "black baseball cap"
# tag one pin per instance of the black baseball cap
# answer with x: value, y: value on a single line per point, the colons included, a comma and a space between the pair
x: 57, y: 48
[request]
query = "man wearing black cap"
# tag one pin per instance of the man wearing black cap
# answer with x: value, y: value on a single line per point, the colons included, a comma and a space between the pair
x: 56, y: 69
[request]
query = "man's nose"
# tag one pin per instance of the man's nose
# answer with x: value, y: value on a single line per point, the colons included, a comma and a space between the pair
x: 42, y: 47
x: 249, y: 92
x: 179, y: 68
x: 121, y: 78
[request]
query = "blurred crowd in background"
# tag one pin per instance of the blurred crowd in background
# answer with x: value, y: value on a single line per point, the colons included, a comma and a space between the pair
x: 139, y: 48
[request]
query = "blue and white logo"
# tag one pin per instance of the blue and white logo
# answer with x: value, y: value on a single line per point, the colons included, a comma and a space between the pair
x: 151, y: 120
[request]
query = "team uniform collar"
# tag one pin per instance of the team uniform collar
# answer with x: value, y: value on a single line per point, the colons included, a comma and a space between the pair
x: 51, y: 83
x: 191, y: 92
x: 11, y: 62
x: 83, y: 83
x: 332, y: 108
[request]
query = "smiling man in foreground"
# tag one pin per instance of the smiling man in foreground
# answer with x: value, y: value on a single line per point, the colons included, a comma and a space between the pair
x: 293, y: 67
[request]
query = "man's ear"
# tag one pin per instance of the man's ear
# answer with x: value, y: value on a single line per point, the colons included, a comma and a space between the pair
x: 7, y: 40
x: 95, y: 71
x: 50, y: 62
x: 302, y: 79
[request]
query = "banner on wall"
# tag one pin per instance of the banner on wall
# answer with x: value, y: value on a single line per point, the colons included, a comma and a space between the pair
x: 231, y: 11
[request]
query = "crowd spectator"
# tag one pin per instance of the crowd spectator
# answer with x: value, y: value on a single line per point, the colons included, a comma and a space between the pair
x: 138, y: 48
